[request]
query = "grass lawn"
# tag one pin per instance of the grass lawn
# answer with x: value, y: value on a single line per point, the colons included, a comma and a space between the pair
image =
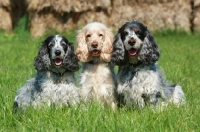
x: 180, y: 61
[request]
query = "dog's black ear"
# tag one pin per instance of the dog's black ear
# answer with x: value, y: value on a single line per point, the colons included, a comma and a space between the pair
x: 119, y: 54
x: 70, y: 60
x: 42, y: 61
x: 150, y: 52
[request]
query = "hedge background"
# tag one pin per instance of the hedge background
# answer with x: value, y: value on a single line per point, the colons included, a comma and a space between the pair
x: 64, y: 15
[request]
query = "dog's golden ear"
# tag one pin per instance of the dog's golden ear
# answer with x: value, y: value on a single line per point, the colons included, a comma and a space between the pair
x: 82, y: 50
x: 107, y: 46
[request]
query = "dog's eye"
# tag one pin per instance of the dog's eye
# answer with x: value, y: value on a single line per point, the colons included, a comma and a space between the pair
x: 88, y: 35
x: 137, y: 33
x: 50, y: 44
x: 100, y: 34
x: 63, y: 43
x: 125, y: 32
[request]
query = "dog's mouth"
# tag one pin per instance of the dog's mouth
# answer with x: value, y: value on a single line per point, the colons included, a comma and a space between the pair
x: 58, y: 62
x: 95, y: 52
x: 132, y: 52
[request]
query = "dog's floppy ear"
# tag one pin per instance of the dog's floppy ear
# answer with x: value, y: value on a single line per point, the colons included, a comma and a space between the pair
x: 70, y: 60
x: 82, y: 51
x: 119, y: 55
x: 42, y: 60
x: 107, y: 46
x: 150, y: 52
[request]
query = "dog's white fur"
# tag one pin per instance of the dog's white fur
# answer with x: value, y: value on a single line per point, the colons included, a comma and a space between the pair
x: 148, y: 85
x: 98, y: 81
x: 54, y: 82
x: 55, y: 90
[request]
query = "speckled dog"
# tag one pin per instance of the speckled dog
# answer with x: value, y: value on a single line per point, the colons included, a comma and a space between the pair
x: 54, y: 82
x: 140, y: 82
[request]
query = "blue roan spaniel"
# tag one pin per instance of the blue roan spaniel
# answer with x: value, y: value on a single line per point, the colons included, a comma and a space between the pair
x: 54, y: 82
x: 140, y: 82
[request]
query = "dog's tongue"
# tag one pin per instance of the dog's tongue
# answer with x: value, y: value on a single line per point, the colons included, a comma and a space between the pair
x: 58, y: 62
x: 95, y: 52
x: 132, y: 52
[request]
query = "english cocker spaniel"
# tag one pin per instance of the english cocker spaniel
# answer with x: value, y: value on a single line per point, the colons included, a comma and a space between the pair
x: 98, y: 81
x: 140, y: 82
x: 54, y: 82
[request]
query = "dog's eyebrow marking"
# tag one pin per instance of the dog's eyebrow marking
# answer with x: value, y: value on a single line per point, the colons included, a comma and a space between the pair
x: 51, y: 43
x: 63, y: 42
x: 137, y: 30
x: 126, y: 30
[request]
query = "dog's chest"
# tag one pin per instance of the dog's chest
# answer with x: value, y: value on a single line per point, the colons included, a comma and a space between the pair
x: 56, y: 86
x: 138, y: 80
x: 57, y: 79
x: 97, y: 74
x: 97, y: 81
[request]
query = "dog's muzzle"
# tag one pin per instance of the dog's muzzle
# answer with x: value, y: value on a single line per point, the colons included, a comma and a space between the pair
x: 58, y: 61
x: 132, y: 42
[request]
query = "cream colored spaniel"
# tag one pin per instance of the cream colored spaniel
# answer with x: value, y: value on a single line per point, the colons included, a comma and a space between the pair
x: 98, y: 80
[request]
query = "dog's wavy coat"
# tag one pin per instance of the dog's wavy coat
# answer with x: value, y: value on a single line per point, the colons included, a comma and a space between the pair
x: 140, y: 82
x: 94, y: 47
x: 54, y: 82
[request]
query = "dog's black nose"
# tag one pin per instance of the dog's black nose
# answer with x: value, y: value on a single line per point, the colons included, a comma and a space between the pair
x: 94, y: 45
x: 57, y: 52
x: 131, y: 42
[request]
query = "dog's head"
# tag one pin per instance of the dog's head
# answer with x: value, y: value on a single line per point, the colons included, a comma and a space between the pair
x: 56, y: 51
x: 134, y: 43
x: 94, y: 40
